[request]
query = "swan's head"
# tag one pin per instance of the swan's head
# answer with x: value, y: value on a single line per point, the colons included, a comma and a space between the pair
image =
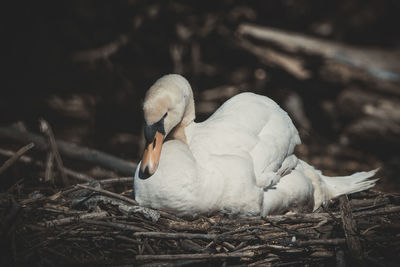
x: 167, y: 103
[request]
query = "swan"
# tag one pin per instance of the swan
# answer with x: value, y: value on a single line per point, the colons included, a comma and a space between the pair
x: 239, y: 161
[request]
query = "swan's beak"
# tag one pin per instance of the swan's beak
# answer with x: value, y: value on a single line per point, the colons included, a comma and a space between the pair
x: 151, y: 156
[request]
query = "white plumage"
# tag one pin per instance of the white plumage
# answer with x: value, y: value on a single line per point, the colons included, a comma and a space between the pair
x: 240, y: 160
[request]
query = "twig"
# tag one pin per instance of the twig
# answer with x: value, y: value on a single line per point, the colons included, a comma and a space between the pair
x: 165, y: 235
x: 322, y: 254
x: 333, y: 242
x: 15, y: 157
x: 72, y: 151
x: 247, y: 254
x: 68, y: 220
x: 317, y: 217
x: 127, y: 239
x: 116, y: 180
x: 46, y: 129
x: 154, y: 215
x: 108, y: 193
x: 350, y: 229
x: 48, y: 176
x: 77, y: 175
x: 16, y: 185
x: 29, y: 160
x: 198, y: 225
x: 120, y: 226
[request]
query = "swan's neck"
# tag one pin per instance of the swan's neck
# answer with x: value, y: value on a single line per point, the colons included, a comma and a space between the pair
x: 178, y: 132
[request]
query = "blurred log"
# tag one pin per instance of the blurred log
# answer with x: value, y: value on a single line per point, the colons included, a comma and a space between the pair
x: 381, y: 64
x: 103, y: 52
x: 374, y: 116
x: 292, y: 64
x: 72, y: 151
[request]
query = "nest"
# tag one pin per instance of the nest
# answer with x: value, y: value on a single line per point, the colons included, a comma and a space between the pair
x: 89, y: 224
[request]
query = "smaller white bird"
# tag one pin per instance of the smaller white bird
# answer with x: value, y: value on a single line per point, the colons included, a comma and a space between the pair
x: 239, y: 161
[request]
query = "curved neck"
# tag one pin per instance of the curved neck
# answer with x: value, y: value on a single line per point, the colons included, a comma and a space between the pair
x: 178, y: 132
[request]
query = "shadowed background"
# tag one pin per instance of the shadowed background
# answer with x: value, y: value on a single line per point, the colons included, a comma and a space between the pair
x: 85, y: 66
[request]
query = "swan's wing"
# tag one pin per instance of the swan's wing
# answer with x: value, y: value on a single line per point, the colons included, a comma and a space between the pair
x: 251, y: 126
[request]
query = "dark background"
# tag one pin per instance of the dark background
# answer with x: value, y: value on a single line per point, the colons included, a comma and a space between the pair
x: 59, y: 63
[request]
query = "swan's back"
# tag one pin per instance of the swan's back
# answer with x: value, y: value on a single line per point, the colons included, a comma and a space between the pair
x: 249, y: 125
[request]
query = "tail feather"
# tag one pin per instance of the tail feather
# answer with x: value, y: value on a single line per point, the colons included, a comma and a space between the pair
x: 356, y: 182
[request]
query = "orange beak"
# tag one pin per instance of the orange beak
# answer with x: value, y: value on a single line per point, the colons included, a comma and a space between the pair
x: 151, y: 156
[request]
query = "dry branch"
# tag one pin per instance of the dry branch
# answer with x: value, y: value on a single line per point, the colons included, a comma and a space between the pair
x: 108, y: 193
x: 48, y: 173
x: 336, y: 241
x: 46, y: 129
x: 116, y: 180
x: 15, y: 157
x: 247, y: 254
x: 67, y: 220
x: 72, y: 151
x: 29, y: 160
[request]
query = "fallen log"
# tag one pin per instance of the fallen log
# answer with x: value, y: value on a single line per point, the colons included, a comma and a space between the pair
x: 382, y: 64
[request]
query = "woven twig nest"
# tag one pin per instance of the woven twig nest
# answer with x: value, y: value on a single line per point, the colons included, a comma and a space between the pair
x: 87, y: 225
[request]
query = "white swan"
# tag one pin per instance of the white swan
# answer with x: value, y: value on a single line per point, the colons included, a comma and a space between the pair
x: 240, y: 160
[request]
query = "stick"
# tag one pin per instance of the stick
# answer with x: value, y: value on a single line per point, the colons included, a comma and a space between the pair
x: 116, y: 180
x: 350, y: 229
x: 123, y: 207
x: 247, y: 254
x: 29, y: 160
x: 108, y: 193
x: 15, y: 157
x: 77, y: 175
x: 165, y: 235
x: 68, y: 220
x: 46, y: 129
x: 130, y: 201
x: 331, y: 242
x: 48, y: 173
x: 72, y: 151
x: 317, y: 217
x: 120, y: 226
